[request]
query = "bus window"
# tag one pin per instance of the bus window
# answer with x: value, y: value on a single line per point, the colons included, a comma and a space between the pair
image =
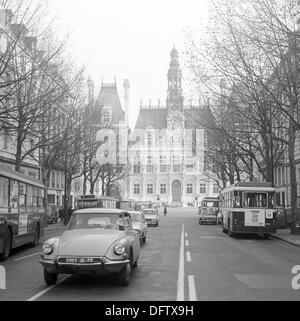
x: 22, y: 194
x: 4, y: 185
x: 237, y: 200
x: 271, y: 200
x: 14, y: 194
x: 29, y: 196
x: 255, y: 200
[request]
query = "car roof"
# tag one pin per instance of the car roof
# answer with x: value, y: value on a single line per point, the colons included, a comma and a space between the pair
x: 149, y: 209
x: 95, y: 210
x: 135, y: 212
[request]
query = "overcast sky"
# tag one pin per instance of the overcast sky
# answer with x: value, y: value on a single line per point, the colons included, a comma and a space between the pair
x: 129, y: 39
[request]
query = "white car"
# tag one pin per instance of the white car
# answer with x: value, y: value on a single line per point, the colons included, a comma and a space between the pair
x: 151, y: 216
x: 96, y: 240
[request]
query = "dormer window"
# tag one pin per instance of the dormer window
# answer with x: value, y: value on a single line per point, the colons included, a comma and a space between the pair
x: 106, y: 115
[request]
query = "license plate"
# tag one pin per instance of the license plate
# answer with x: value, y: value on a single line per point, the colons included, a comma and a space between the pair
x: 79, y: 260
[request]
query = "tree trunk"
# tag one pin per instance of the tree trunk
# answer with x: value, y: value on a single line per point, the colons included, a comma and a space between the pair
x: 293, y: 180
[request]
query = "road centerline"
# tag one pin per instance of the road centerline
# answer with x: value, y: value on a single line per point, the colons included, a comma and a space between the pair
x: 192, y: 288
x: 180, y: 281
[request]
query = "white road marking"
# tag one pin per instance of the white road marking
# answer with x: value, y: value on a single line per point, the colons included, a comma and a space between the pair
x: 211, y: 237
x: 180, y: 281
x: 35, y: 297
x: 188, y: 257
x: 192, y: 288
x: 27, y: 256
x: 187, y: 243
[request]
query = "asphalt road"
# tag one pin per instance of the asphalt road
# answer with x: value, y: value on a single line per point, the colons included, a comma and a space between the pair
x: 181, y: 260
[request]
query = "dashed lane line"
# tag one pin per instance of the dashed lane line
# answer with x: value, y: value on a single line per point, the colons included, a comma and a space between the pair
x: 192, y: 288
x: 188, y: 257
x: 180, y: 281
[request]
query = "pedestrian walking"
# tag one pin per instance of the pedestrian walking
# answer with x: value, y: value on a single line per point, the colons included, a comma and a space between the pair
x: 165, y: 210
x: 61, y: 214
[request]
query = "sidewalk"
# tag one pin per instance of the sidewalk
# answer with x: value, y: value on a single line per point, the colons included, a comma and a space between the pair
x: 286, y: 236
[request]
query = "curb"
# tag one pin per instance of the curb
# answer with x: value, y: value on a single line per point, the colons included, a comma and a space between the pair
x: 284, y: 240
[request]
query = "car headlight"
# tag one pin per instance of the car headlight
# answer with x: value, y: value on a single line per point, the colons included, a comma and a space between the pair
x: 47, y: 248
x: 119, y: 249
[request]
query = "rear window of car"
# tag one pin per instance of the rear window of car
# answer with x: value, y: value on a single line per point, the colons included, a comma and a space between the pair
x: 152, y: 212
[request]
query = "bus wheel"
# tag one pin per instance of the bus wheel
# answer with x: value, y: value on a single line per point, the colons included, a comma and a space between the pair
x: 6, y: 246
x: 266, y: 236
x: 35, y: 241
x: 50, y: 278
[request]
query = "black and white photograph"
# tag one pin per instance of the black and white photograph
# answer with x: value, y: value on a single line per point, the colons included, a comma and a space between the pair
x: 149, y: 153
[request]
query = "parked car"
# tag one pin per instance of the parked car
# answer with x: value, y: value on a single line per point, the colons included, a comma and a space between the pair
x: 139, y: 224
x: 97, y: 240
x: 151, y: 216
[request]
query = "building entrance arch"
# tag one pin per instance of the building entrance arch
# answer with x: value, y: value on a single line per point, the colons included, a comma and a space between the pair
x: 176, y: 191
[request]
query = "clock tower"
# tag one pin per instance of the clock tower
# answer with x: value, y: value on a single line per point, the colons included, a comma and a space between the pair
x: 174, y: 97
x: 175, y: 116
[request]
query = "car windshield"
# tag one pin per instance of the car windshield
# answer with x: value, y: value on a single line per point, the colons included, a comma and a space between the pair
x: 96, y: 221
x: 209, y: 211
x: 136, y: 217
x: 150, y: 215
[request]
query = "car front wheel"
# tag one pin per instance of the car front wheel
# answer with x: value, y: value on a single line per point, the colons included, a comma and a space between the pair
x: 124, y: 275
x: 50, y: 278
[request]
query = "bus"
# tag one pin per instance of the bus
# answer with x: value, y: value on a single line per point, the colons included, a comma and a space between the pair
x: 89, y: 201
x: 208, y: 210
x: 249, y: 207
x: 22, y: 211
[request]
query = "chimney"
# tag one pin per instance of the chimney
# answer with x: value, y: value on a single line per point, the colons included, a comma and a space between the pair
x: 126, y: 99
x: 30, y: 43
x: 6, y: 16
x: 18, y: 30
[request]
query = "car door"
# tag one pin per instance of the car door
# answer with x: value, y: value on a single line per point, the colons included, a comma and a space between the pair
x: 133, y: 235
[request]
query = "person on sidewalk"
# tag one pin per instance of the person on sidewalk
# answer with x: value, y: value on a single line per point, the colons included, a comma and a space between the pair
x: 165, y: 210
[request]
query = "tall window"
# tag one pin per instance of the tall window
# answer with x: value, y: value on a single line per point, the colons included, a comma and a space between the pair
x: 202, y: 189
x: 189, y: 189
x: 176, y: 164
x: 137, y: 189
x: 150, y: 189
x: 53, y: 180
x: 216, y: 188
x: 163, y: 164
x: 149, y: 164
x: 137, y: 165
x: 163, y: 188
x: 106, y: 115
x: 149, y: 139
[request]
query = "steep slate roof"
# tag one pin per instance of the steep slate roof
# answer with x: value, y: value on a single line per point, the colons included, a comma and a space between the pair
x: 108, y: 96
x: 192, y: 117
x: 156, y: 118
